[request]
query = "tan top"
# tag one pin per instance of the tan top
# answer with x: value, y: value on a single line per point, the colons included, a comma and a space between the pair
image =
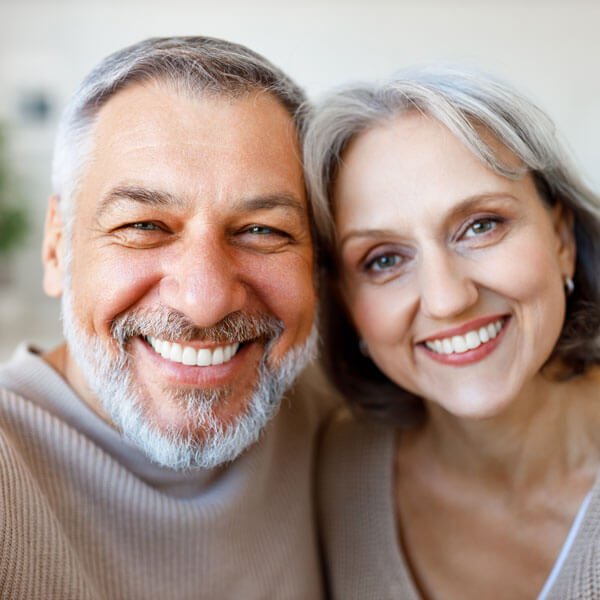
x: 85, y: 515
x: 357, y: 517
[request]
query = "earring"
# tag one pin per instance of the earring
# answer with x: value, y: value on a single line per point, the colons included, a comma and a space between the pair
x: 569, y: 286
x: 364, y: 349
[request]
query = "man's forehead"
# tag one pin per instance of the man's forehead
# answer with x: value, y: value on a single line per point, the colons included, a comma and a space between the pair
x: 152, y: 144
x: 133, y: 109
x: 147, y: 116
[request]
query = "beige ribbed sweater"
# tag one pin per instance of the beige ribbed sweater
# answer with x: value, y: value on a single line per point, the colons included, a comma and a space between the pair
x: 357, y: 516
x: 84, y: 515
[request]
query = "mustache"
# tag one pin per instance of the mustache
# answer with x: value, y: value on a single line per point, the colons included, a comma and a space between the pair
x: 172, y: 325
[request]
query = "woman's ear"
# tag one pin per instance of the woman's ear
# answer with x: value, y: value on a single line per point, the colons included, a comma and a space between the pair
x: 564, y: 228
x: 53, y: 249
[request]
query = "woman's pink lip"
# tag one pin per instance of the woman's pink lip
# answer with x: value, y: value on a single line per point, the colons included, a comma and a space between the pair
x: 469, y: 326
x: 470, y: 356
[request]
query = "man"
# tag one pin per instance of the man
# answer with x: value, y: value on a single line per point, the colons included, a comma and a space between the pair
x: 179, y: 240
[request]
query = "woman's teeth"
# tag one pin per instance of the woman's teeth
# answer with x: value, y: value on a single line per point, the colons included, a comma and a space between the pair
x: 468, y: 341
x: 203, y: 357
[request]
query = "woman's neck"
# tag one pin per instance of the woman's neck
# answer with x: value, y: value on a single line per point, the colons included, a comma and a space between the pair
x: 552, y: 429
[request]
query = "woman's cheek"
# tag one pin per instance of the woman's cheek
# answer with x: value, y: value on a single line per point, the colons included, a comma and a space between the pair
x: 376, y: 316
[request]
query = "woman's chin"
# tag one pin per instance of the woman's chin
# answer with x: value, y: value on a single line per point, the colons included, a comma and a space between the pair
x: 474, y: 403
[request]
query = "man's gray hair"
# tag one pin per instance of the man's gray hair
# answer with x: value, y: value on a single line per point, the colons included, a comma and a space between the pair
x: 472, y: 105
x: 194, y: 65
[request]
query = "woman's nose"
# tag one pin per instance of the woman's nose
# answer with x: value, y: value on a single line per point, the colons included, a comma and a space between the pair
x: 445, y: 286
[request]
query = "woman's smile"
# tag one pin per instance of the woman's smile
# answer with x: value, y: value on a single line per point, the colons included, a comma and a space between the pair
x: 468, y: 343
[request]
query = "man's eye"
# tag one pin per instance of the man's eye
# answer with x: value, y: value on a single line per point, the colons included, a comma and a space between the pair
x: 265, y: 230
x: 144, y: 226
x: 383, y: 262
x: 260, y: 230
x: 480, y: 227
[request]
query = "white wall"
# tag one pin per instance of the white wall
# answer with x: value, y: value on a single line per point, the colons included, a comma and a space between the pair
x: 548, y: 48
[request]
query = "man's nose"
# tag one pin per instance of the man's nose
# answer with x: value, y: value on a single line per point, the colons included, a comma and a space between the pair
x: 445, y: 286
x: 204, y: 282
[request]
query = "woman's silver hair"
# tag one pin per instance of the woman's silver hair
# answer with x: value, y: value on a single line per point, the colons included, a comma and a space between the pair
x: 471, y: 105
x: 193, y: 65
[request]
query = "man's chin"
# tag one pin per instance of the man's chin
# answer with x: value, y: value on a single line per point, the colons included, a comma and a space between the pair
x: 190, y: 413
x: 184, y: 429
x: 218, y: 425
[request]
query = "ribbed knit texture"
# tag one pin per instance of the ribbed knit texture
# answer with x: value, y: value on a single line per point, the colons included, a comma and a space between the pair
x: 357, y: 517
x: 75, y: 523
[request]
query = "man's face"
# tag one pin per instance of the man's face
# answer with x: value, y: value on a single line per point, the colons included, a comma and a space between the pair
x: 191, y: 266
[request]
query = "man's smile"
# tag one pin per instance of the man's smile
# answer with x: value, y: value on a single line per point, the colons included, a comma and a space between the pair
x: 230, y: 364
x: 187, y: 355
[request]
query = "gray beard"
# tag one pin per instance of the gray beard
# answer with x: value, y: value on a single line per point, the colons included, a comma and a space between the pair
x: 109, y: 375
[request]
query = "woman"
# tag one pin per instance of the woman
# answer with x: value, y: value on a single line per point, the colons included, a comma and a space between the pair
x: 462, y: 259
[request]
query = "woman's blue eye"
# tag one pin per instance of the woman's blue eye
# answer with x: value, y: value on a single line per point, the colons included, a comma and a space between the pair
x: 386, y: 261
x: 480, y: 227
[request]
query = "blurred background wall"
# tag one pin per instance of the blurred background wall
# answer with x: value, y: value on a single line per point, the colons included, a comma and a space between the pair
x: 548, y: 48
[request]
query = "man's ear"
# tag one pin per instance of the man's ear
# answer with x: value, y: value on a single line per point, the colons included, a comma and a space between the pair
x: 564, y: 225
x: 53, y: 249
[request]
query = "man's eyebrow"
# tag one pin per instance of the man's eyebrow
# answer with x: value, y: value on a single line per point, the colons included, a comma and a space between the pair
x: 159, y: 198
x: 271, y: 201
x: 138, y: 194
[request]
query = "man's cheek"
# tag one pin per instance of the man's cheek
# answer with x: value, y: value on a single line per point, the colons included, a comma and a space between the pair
x: 110, y: 289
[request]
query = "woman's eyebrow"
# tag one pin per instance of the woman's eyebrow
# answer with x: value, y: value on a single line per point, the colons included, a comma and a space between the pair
x: 366, y: 233
x: 472, y: 202
x: 464, y: 206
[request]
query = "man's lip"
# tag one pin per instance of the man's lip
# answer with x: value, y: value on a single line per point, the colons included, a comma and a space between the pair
x: 199, y: 344
x: 189, y: 356
x: 209, y: 376
x: 464, y: 328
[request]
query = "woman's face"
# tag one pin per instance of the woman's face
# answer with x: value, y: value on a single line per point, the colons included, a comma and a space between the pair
x: 452, y: 274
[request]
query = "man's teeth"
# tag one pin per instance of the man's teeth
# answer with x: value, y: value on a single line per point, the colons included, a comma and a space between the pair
x: 203, y: 357
x: 468, y: 341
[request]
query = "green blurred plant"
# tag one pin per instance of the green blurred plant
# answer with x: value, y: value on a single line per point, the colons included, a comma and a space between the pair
x: 13, y: 216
